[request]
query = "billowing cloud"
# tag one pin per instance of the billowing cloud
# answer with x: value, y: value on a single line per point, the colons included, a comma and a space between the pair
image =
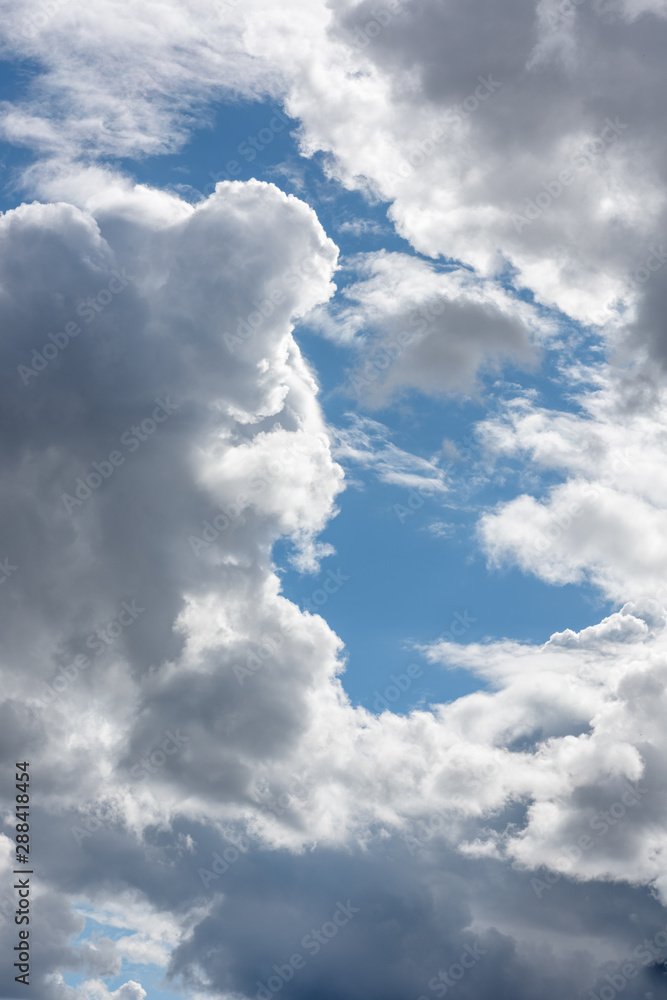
x: 605, y: 519
x: 205, y: 790
x: 421, y: 328
x: 491, y: 143
x: 158, y: 439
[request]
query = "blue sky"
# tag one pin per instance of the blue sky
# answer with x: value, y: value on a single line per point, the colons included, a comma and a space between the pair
x: 151, y: 976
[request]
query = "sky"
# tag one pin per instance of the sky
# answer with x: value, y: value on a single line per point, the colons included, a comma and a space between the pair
x: 333, y: 507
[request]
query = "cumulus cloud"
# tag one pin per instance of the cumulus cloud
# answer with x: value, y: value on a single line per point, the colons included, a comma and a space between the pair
x: 605, y: 519
x: 192, y: 698
x: 206, y: 785
x: 119, y: 456
x: 468, y: 151
x: 96, y: 989
x: 416, y: 326
x: 473, y: 170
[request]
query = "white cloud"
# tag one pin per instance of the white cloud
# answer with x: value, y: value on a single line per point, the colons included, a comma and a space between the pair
x: 417, y: 327
x: 458, y: 194
x: 96, y: 989
x: 367, y: 443
x: 495, y: 784
x: 238, y: 685
x: 606, y: 521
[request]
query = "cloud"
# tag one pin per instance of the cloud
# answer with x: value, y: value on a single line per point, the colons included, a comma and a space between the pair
x: 96, y: 989
x: 414, y: 920
x: 605, y: 520
x: 367, y: 443
x: 526, y: 820
x: 473, y: 173
x: 179, y: 700
x: 416, y: 327
x: 467, y: 153
x: 601, y: 677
